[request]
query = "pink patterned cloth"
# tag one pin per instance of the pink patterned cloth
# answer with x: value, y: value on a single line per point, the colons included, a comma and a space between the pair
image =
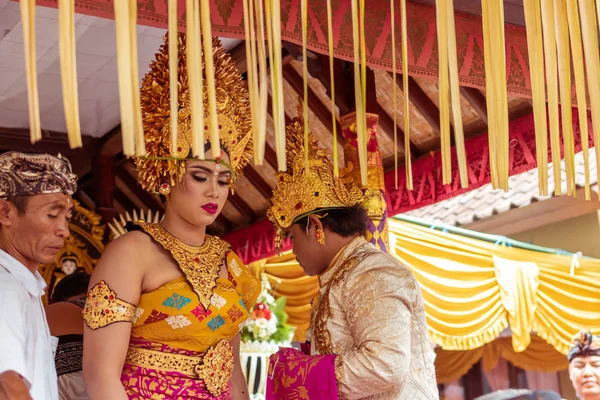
x: 294, y: 375
x: 151, y: 384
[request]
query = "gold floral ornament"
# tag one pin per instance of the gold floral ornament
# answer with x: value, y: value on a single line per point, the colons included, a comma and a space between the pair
x: 164, y: 166
x: 300, y: 191
x: 103, y: 307
x: 216, y: 368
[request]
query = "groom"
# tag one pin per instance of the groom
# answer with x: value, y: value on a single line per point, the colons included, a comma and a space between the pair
x: 368, y: 331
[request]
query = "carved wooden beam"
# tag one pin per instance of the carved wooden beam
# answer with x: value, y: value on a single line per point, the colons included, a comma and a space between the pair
x: 321, y: 111
x: 344, y: 89
x: 258, y: 182
x: 422, y: 102
x: 385, y: 121
x: 476, y: 100
x: 242, y: 207
x: 123, y: 201
x: 131, y: 182
x: 13, y: 139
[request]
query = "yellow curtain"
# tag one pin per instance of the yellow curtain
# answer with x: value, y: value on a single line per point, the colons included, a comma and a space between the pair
x: 538, y: 356
x: 474, y: 289
x: 287, y: 279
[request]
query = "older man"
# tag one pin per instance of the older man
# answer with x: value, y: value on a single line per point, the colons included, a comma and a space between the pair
x: 35, y: 204
x: 584, y: 365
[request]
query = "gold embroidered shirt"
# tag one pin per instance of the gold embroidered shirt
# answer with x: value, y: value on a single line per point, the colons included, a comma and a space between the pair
x: 370, y: 313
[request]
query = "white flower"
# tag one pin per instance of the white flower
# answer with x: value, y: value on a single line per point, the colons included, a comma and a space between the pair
x: 178, y: 321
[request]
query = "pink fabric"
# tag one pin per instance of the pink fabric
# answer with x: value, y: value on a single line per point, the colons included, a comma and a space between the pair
x: 150, y: 384
x: 294, y: 375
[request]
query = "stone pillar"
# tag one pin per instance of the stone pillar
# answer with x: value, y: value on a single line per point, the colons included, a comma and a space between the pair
x: 375, y: 203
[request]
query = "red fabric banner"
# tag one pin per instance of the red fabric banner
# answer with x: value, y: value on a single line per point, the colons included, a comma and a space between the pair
x: 257, y: 241
x: 227, y: 20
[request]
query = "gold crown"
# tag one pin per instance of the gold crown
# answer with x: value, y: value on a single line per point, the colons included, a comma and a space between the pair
x: 300, y: 191
x: 164, y: 165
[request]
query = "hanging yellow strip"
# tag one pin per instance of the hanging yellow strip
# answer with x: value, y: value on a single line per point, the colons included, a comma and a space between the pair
x: 262, y: 80
x: 211, y: 91
x: 136, y: 106
x: 363, y: 78
x: 536, y: 64
x: 28, y: 21
x: 193, y: 59
x: 589, y: 31
x: 394, y: 87
x: 501, y: 95
x: 124, y: 71
x: 278, y: 95
x: 304, y: 5
x: 250, y: 43
x: 548, y: 30
x: 407, y: 154
x: 564, y: 73
x: 336, y: 167
x: 360, y: 114
x: 281, y: 164
x: 173, y: 72
x: 489, y: 82
x: 68, y: 70
x: 363, y: 59
x: 579, y: 74
x: 443, y: 92
x: 459, y: 136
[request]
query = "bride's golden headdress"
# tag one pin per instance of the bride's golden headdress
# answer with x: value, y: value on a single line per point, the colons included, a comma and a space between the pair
x: 301, y: 192
x: 164, y: 166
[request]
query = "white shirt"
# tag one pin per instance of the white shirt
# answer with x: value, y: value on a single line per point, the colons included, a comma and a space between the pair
x: 26, y: 346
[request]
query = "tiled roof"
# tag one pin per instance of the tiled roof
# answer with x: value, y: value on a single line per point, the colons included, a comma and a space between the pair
x: 484, y: 202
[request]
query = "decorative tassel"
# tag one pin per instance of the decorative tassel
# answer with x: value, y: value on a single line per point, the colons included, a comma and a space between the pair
x: 564, y: 74
x: 358, y: 95
x: 28, y: 21
x: 136, y: 104
x: 459, y: 136
x: 273, y: 12
x: 209, y: 68
x: 304, y: 6
x: 173, y: 72
x: 195, y: 80
x: 407, y: 154
x: 336, y: 167
x: 579, y: 74
x: 497, y: 100
x: 250, y: 43
x: 533, y: 24
x: 590, y: 42
x: 444, y: 96
x: 68, y: 70
x: 549, y: 29
x: 122, y: 22
x: 263, y: 89
x: 394, y: 89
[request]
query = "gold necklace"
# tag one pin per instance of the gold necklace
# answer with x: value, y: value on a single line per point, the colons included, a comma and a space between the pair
x: 200, y: 264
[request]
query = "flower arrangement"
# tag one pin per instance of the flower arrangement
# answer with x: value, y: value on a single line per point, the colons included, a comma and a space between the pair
x: 267, y: 322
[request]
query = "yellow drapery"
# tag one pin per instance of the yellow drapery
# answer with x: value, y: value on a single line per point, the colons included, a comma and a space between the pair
x: 467, y: 305
x: 288, y: 279
x: 538, y: 356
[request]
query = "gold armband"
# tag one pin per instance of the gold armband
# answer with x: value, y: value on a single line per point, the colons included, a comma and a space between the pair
x: 103, y: 307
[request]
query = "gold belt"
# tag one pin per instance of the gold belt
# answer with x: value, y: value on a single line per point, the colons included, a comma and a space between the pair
x: 214, y: 368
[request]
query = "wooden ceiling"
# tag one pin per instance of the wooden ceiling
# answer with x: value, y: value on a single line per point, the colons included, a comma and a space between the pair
x: 108, y: 180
